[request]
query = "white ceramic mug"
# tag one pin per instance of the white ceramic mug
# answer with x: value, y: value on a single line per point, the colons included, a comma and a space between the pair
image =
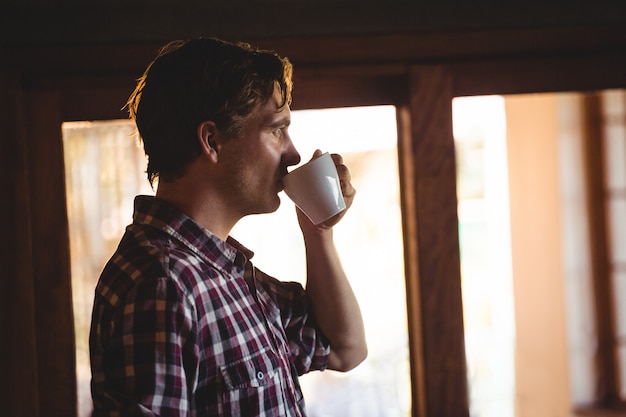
x: 314, y: 187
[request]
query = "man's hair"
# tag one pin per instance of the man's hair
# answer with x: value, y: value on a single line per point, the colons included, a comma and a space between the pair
x: 198, y: 80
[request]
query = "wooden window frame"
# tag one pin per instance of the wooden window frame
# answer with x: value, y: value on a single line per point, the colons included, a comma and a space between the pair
x: 608, y: 402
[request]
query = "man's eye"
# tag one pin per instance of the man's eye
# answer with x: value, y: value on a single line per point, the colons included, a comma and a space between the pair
x: 279, y: 131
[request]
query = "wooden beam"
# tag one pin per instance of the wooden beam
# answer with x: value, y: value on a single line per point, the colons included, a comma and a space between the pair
x: 428, y: 175
x: 571, y: 71
x: 411, y: 256
x: 54, y: 323
x: 314, y: 51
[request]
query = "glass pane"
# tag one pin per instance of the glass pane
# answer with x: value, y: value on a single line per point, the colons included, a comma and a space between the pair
x: 621, y: 363
x: 614, y: 103
x: 103, y: 172
x: 619, y: 294
x: 615, y: 156
x: 617, y: 229
x: 575, y: 249
x: 487, y: 282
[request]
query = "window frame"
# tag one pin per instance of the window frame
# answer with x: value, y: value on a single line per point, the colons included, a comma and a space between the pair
x: 608, y: 399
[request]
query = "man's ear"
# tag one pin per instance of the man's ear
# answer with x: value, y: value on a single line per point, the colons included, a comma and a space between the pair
x: 207, y: 132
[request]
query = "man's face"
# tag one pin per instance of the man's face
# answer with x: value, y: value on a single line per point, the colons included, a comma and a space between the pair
x: 256, y: 161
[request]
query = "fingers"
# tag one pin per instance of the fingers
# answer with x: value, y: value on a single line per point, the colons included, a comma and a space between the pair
x: 317, y: 153
x: 345, y: 178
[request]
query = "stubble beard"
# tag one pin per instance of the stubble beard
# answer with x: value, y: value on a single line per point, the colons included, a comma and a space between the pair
x: 254, y: 197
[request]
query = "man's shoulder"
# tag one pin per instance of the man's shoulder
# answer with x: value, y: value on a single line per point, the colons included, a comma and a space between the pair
x: 140, y: 256
x: 144, y: 256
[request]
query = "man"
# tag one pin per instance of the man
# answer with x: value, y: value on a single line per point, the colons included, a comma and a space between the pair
x: 183, y: 324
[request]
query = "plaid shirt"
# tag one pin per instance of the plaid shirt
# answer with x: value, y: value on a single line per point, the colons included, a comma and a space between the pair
x: 184, y: 325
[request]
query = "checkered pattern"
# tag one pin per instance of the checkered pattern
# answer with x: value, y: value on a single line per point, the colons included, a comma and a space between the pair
x: 178, y: 331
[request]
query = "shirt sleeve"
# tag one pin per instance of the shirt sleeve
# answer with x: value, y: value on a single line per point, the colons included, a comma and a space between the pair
x: 308, y: 346
x: 144, y: 355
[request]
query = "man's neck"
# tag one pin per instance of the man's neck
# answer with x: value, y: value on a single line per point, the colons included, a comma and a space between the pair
x: 201, y: 204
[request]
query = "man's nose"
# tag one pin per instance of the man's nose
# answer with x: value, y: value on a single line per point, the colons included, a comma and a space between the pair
x: 293, y: 156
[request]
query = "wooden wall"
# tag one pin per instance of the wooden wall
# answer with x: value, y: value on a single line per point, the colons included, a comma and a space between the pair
x: 77, y: 61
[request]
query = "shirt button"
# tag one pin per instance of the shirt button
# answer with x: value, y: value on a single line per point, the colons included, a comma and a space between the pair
x: 260, y: 375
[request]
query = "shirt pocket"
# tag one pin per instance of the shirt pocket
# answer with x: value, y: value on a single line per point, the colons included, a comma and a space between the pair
x: 253, y: 371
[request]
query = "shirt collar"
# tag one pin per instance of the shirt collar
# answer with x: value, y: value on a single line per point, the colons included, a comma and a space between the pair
x: 157, y: 213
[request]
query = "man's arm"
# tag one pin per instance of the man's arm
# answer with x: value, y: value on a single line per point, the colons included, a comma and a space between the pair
x: 334, y: 304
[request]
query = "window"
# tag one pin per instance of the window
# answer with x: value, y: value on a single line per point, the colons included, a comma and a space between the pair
x: 485, y: 243
x: 567, y: 170
x: 103, y: 171
x: 568, y: 198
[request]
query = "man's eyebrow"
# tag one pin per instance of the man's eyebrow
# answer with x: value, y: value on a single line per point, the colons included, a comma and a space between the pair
x: 283, y: 121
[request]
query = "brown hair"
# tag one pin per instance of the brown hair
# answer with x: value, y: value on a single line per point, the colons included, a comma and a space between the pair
x: 197, y: 80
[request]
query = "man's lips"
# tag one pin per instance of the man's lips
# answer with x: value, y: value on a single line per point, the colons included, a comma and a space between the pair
x: 281, y: 181
x: 280, y: 184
